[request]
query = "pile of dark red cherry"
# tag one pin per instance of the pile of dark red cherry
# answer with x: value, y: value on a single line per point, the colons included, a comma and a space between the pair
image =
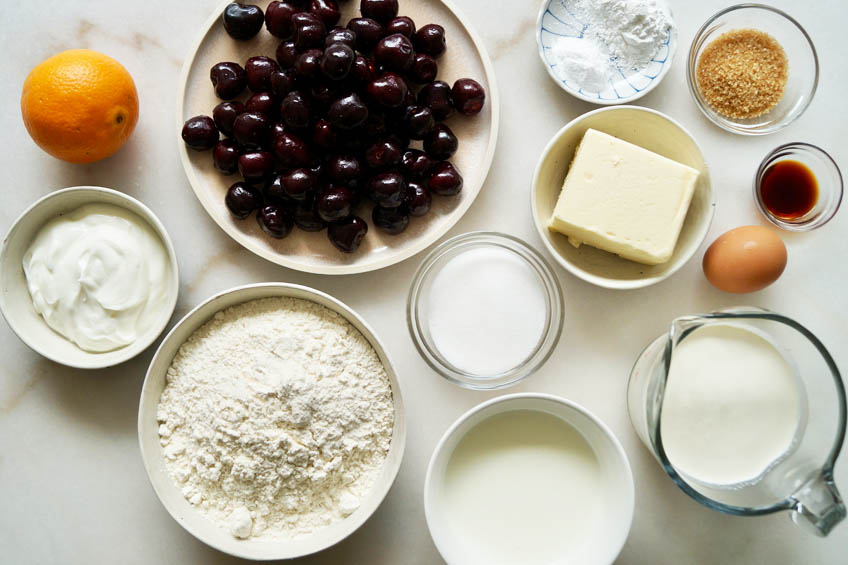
x: 329, y: 123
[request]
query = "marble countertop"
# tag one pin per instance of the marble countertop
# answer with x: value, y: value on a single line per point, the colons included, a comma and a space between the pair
x: 72, y: 485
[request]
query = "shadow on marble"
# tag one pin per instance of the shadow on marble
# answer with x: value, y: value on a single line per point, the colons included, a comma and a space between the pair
x: 689, y: 531
x: 104, y: 399
x: 112, y: 172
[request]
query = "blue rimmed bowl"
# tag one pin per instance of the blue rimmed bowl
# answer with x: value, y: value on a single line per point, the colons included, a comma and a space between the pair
x: 557, y: 18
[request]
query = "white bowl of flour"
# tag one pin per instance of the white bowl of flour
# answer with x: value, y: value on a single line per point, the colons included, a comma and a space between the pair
x: 606, y: 51
x: 271, y: 422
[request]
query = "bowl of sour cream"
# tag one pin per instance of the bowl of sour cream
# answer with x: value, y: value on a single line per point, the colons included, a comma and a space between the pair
x: 88, y: 277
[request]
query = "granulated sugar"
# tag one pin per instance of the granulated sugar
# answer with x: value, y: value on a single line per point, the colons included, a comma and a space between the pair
x: 486, y: 310
x: 743, y: 73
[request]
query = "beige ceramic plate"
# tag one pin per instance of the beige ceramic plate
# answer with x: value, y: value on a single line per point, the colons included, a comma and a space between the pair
x: 312, y: 252
x: 170, y: 495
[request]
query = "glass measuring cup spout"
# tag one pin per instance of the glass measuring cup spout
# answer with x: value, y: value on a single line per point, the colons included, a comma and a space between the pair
x: 745, y: 410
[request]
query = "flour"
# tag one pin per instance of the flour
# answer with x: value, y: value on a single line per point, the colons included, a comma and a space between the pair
x: 276, y: 418
x: 632, y: 30
x: 618, y: 35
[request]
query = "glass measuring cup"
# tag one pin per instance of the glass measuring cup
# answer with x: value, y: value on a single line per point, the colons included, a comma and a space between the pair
x: 801, y: 481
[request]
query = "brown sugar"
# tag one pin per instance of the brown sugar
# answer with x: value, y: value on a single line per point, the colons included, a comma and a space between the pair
x: 742, y: 73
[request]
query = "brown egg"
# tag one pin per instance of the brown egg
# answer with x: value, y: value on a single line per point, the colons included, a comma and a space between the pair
x: 745, y: 259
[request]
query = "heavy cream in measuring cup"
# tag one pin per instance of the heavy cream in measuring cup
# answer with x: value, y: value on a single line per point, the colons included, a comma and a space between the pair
x: 733, y: 407
x: 98, y: 276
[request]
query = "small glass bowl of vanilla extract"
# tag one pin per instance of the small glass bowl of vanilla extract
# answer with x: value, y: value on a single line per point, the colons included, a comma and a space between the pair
x: 798, y: 187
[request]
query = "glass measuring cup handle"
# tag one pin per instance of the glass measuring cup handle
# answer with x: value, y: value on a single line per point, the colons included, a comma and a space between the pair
x: 817, y: 505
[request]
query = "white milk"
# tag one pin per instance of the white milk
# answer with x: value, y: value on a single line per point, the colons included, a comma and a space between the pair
x: 732, y: 409
x: 486, y: 310
x: 524, y: 487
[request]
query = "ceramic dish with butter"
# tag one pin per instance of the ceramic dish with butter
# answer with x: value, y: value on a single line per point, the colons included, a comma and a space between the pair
x: 289, y: 445
x: 311, y: 251
x: 103, y: 279
x: 649, y: 130
x: 562, y: 21
x: 529, y: 478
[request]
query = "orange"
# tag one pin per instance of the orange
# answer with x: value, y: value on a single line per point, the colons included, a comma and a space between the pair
x: 80, y: 105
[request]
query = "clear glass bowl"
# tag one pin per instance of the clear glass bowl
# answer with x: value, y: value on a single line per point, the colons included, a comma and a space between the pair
x: 417, y: 306
x: 800, y: 52
x: 828, y: 178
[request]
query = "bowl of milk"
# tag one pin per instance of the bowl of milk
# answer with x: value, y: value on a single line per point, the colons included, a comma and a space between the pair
x: 529, y: 478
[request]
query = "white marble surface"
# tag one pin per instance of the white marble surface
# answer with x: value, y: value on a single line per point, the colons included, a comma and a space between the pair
x: 72, y: 486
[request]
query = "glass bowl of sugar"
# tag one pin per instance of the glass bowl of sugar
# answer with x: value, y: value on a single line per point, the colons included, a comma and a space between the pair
x: 485, y: 310
x: 752, y: 69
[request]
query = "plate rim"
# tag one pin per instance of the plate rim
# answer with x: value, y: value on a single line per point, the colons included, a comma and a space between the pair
x: 422, y: 242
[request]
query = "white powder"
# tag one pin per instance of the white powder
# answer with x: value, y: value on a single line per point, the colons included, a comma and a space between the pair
x: 582, y: 62
x: 618, y: 35
x: 276, y: 418
x: 486, y: 311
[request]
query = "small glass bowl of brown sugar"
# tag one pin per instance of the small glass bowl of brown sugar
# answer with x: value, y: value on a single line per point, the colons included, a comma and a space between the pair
x: 752, y: 69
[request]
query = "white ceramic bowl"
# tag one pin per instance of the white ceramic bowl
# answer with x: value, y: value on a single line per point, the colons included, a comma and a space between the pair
x: 151, y: 451
x: 15, y: 301
x: 611, y: 531
x: 557, y: 19
x: 649, y: 129
x: 312, y: 252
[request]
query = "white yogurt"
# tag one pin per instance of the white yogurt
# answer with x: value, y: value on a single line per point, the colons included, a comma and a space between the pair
x: 486, y: 311
x: 524, y: 487
x: 98, y: 276
x: 733, y: 407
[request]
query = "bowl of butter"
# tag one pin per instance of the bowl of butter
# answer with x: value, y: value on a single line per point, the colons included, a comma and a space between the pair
x: 621, y: 197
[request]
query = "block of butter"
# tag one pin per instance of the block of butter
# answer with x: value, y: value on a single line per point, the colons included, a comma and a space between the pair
x: 624, y: 199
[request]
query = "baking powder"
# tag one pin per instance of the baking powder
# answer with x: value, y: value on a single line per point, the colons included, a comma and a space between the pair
x: 618, y: 35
